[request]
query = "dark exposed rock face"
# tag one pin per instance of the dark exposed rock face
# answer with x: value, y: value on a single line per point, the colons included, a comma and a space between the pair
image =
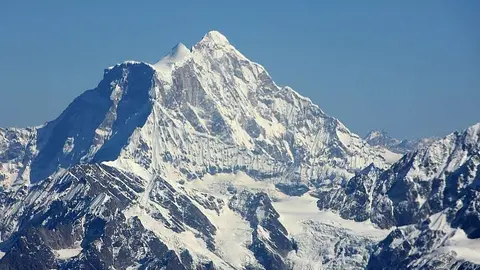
x: 121, y: 244
x: 442, y: 178
x: 417, y: 247
x: 293, y: 189
x: 29, y: 251
x: 422, y: 183
x: 354, y: 200
x: 82, y: 210
x: 183, y: 211
x: 120, y: 103
x: 270, y: 242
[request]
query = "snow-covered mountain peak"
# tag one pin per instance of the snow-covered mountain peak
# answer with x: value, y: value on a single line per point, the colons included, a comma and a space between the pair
x: 214, y: 38
x: 383, y: 139
x: 223, y: 99
x: 375, y: 134
x: 209, y: 107
x: 180, y: 48
x: 178, y: 54
x: 216, y: 46
x: 472, y: 135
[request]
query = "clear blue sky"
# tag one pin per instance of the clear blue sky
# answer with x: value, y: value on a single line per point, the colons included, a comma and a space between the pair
x: 411, y: 68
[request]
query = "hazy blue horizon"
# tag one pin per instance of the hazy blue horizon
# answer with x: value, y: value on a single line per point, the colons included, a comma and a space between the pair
x: 411, y: 69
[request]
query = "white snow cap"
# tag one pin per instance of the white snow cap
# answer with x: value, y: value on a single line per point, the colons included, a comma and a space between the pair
x: 179, y: 53
x: 214, y: 37
x: 473, y: 134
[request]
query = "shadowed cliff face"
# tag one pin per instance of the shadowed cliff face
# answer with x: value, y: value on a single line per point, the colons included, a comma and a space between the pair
x: 97, y: 124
